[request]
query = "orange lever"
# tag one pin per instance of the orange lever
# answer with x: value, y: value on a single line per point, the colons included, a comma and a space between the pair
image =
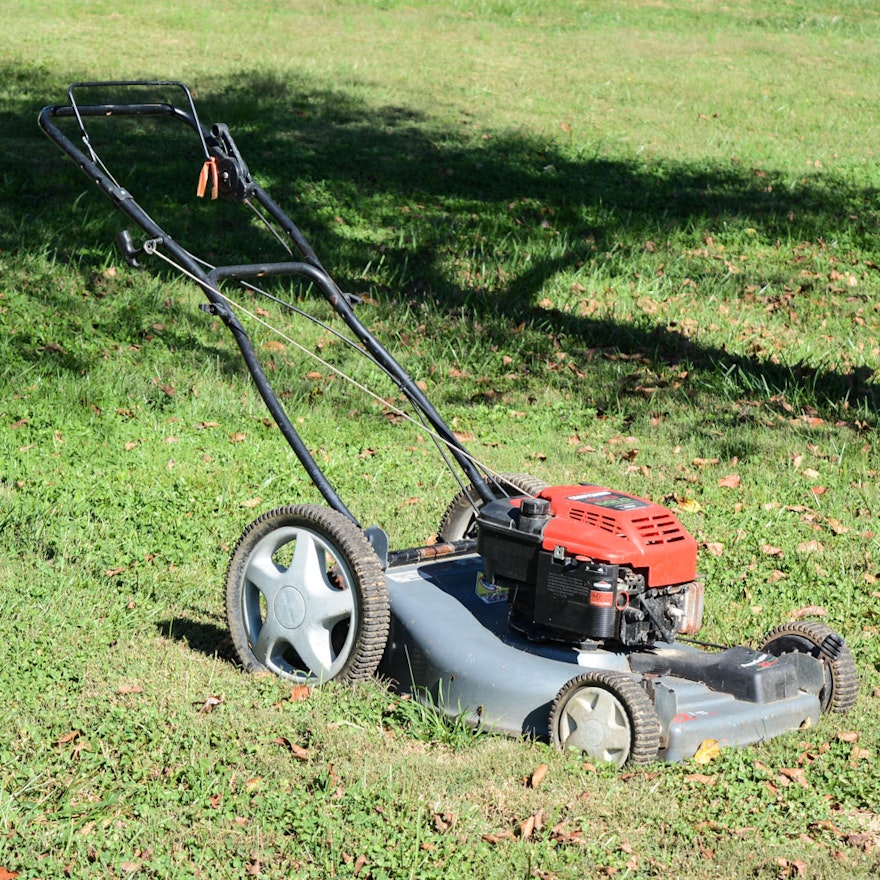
x: 209, y: 172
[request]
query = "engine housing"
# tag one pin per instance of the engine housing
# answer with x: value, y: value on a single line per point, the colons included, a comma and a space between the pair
x: 588, y: 563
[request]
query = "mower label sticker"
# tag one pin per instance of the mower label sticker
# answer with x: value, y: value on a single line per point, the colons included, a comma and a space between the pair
x: 610, y: 500
x: 489, y: 593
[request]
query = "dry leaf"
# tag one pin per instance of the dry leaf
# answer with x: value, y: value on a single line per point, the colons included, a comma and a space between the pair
x: 252, y: 502
x: 129, y: 689
x: 208, y: 705
x: 538, y: 776
x: 810, y: 547
x: 527, y: 828
x: 295, y: 750
x: 716, y: 548
x: 808, y: 611
x: 708, y: 751
x: 731, y: 481
x: 701, y: 778
x: 443, y: 822
x: 793, y: 774
x: 237, y: 437
x: 770, y: 550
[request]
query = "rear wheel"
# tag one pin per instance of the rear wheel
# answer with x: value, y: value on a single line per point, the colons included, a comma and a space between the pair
x: 608, y: 717
x: 460, y: 519
x: 306, y: 597
x: 820, y: 641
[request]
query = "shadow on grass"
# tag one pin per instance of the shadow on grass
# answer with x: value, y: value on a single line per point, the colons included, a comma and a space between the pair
x: 205, y: 638
x: 326, y: 152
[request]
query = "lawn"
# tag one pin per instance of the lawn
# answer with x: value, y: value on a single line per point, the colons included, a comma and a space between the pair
x: 627, y: 242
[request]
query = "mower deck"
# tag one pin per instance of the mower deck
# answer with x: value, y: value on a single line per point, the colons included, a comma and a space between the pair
x: 454, y: 647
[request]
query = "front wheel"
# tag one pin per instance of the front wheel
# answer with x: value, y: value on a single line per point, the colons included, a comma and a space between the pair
x: 841, y: 686
x: 608, y: 717
x: 306, y: 597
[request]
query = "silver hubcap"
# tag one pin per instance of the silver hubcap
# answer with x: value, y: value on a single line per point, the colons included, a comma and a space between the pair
x: 594, y: 721
x: 299, y: 605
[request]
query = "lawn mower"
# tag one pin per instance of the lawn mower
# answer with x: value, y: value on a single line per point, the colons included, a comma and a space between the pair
x: 561, y: 612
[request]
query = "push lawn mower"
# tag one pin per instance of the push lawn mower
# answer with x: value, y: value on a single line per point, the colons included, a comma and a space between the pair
x: 560, y: 611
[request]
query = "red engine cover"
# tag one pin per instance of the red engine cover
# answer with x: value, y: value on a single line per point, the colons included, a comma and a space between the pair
x: 610, y: 526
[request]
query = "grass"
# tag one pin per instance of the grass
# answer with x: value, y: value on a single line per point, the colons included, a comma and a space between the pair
x: 632, y: 243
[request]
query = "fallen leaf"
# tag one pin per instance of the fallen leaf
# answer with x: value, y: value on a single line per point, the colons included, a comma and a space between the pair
x: 810, y: 547
x: 252, y: 502
x: 297, y: 751
x: 237, y: 437
x: 731, y: 481
x: 708, y: 751
x: 793, y: 774
x: 208, y: 705
x: 130, y: 689
x: 701, y: 778
x: 771, y: 550
x: 70, y: 736
x: 690, y: 505
x: 299, y: 692
x: 808, y: 611
x: 538, y: 776
x: 526, y: 828
x: 443, y: 822
x: 716, y: 548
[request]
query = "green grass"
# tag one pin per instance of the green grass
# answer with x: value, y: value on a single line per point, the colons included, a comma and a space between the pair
x: 626, y: 242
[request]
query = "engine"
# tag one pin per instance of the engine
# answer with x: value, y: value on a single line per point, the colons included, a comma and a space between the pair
x: 584, y: 563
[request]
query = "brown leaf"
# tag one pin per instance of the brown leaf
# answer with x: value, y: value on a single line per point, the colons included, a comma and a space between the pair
x: 129, y: 689
x: 793, y: 774
x: 810, y: 547
x: 443, y: 822
x: 716, y: 548
x: 701, y: 778
x: 7, y: 875
x: 731, y: 481
x: 299, y: 692
x: 538, y: 775
x: 526, y: 828
x: 68, y: 737
x: 237, y: 437
x: 808, y: 611
x: 297, y: 751
x: 208, y: 705
x: 359, y: 864
x: 771, y: 550
x: 507, y: 834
